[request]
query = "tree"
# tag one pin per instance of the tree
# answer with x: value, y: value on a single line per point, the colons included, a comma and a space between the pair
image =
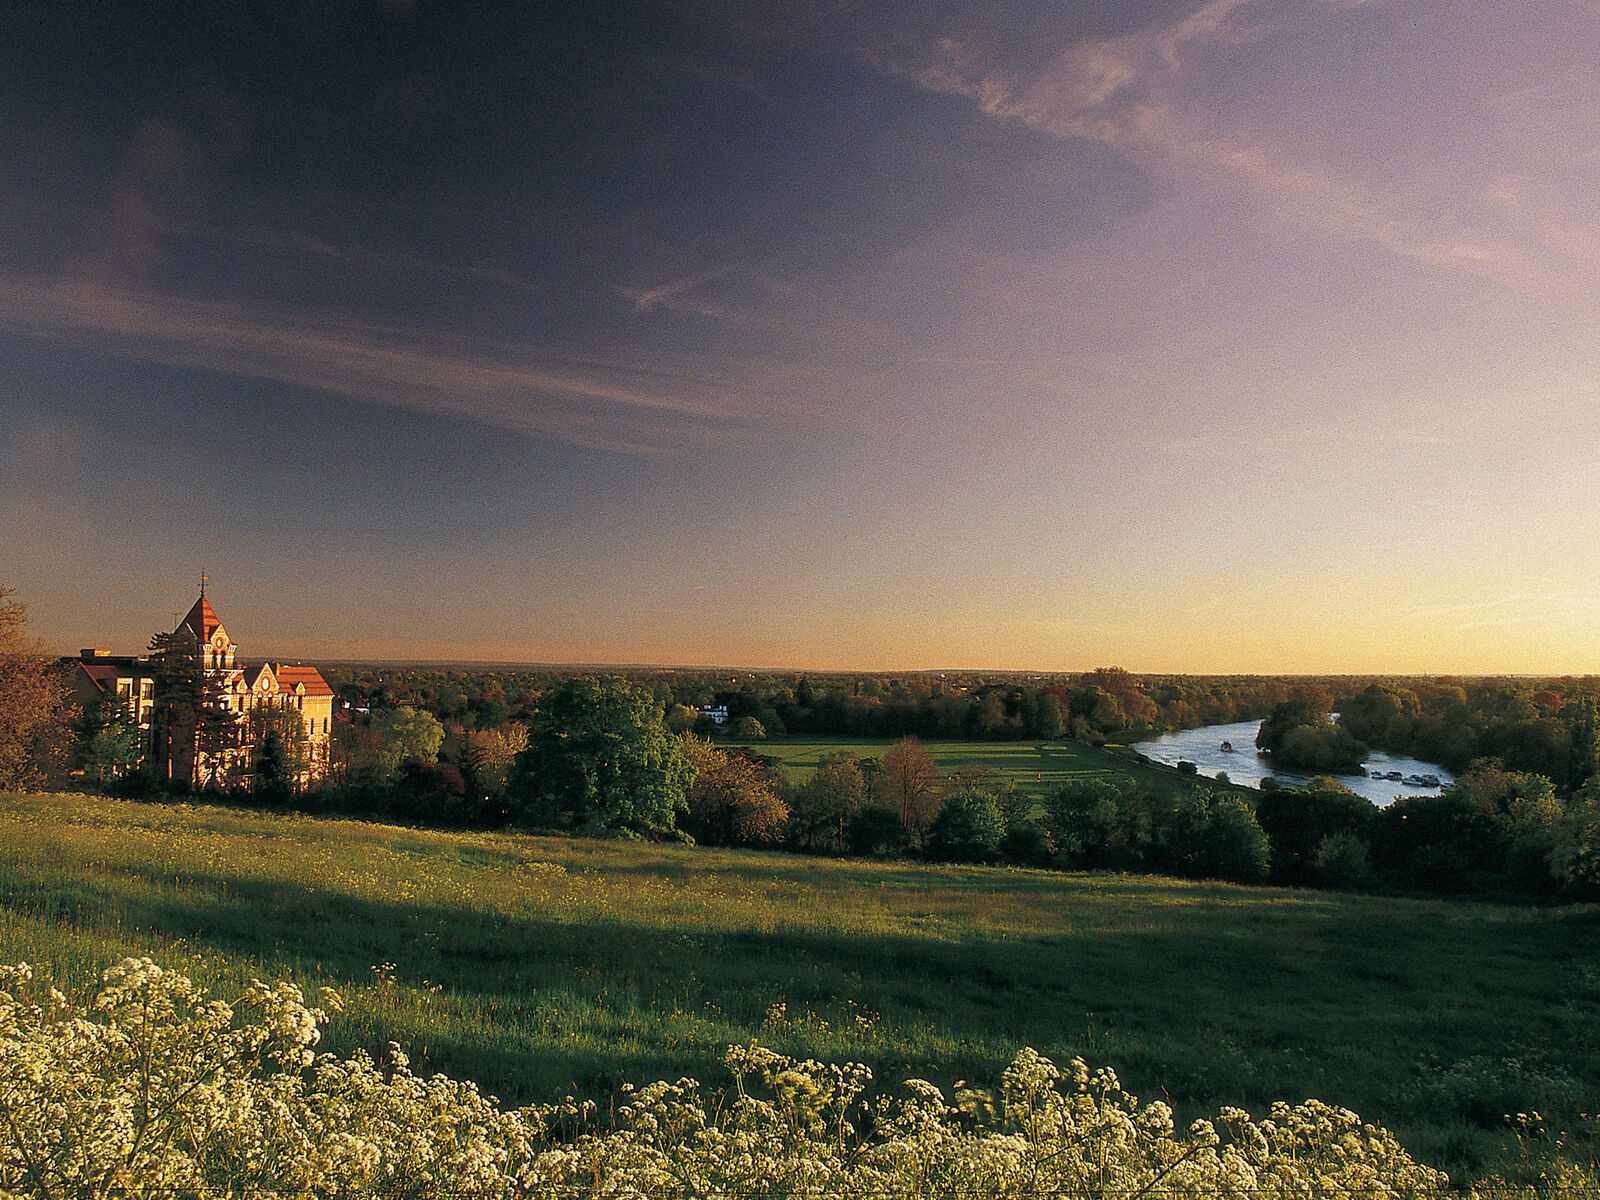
x: 908, y: 782
x: 1290, y: 714
x: 826, y: 802
x: 33, y: 703
x: 271, y: 777
x: 732, y: 800
x: 1575, y: 855
x: 292, y: 748
x: 599, y: 757
x: 112, y: 752
x: 1341, y: 860
x: 681, y: 718
x: 1216, y: 837
x: 1082, y: 820
x: 876, y: 832
x: 1448, y: 842
x: 195, y: 731
x: 1132, y: 706
x: 1299, y: 735
x: 1051, y: 721
x: 109, y: 745
x: 1298, y: 823
x: 403, y: 733
x: 968, y: 828
x: 489, y: 756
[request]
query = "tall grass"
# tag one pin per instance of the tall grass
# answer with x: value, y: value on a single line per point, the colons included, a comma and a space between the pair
x: 544, y: 966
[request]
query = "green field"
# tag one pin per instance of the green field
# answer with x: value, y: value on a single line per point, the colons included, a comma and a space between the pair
x: 540, y: 966
x: 1036, y: 768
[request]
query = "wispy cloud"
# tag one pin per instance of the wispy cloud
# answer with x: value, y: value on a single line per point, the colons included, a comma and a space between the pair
x: 1145, y: 95
x: 675, y: 294
x: 364, y: 257
x: 607, y: 408
x: 1534, y: 609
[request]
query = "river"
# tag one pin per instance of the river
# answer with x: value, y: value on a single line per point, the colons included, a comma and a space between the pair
x: 1203, y: 747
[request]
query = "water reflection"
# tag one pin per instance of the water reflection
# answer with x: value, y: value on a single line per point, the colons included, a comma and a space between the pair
x: 1203, y: 747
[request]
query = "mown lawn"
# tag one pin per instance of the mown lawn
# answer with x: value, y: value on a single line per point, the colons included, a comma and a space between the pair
x: 543, y: 966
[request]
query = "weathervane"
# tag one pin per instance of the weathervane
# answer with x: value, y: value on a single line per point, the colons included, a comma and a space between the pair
x: 203, y: 578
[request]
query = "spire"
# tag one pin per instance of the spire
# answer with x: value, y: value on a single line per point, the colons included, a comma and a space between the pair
x: 202, y: 620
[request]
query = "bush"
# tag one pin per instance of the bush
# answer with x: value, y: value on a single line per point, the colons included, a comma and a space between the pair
x: 1027, y: 844
x: 1215, y: 837
x: 1341, y: 861
x: 876, y: 832
x: 154, y: 1090
x: 968, y: 828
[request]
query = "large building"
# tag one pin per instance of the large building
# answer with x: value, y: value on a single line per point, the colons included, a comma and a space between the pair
x: 200, y: 714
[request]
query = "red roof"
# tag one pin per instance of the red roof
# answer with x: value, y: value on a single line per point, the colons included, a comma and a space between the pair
x: 202, y: 619
x: 101, y: 675
x: 315, y: 684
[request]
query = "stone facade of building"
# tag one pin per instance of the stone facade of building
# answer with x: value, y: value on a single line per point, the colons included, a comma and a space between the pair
x: 201, y: 714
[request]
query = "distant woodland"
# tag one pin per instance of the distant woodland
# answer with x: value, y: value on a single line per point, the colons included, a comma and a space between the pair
x: 658, y: 753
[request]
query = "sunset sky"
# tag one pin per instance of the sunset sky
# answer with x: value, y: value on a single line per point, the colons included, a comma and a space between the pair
x: 1227, y: 336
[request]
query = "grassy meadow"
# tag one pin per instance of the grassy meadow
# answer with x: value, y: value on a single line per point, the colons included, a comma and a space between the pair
x: 542, y: 966
x: 1036, y: 768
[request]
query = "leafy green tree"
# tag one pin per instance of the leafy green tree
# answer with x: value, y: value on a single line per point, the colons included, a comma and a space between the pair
x: 1216, y: 837
x: 1290, y: 714
x: 1448, y: 842
x: 826, y: 802
x: 681, y: 718
x: 969, y: 828
x: 1582, y: 718
x: 1575, y: 851
x: 599, y: 758
x: 109, y: 745
x: 1297, y: 823
x: 1342, y: 860
x: 876, y: 832
x: 1082, y: 820
x: 1299, y: 735
x: 271, y: 776
x: 403, y: 733
x: 287, y: 727
x: 112, y: 752
x: 1525, y: 807
x: 488, y: 758
x: 1051, y: 721
x: 1027, y: 843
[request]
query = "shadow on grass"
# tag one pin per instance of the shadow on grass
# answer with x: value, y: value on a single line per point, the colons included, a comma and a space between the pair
x: 1224, y: 996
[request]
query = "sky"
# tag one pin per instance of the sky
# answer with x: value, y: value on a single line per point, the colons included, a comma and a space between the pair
x: 1204, y: 336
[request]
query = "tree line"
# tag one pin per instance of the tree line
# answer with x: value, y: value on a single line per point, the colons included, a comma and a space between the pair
x: 635, y: 756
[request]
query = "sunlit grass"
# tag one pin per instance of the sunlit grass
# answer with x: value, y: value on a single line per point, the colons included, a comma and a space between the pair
x: 1038, y: 769
x: 539, y: 966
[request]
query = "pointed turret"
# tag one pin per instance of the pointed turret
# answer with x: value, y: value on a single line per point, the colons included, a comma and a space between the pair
x: 202, y: 620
